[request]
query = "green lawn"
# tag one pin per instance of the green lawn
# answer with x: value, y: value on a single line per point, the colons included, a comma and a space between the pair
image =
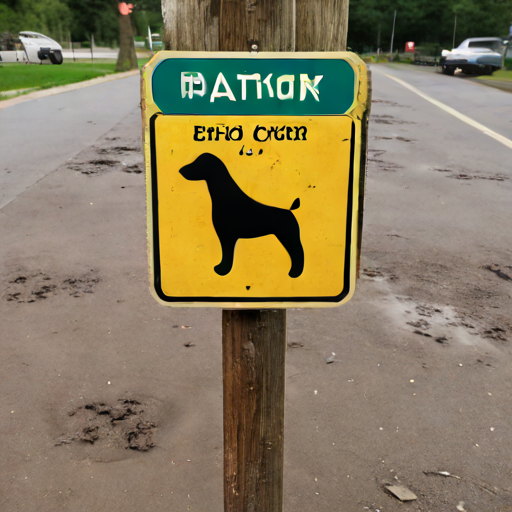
x: 34, y: 76
x: 24, y: 76
x: 502, y: 75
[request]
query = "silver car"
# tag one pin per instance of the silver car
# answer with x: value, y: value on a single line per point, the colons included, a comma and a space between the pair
x: 33, y: 48
x: 474, y: 56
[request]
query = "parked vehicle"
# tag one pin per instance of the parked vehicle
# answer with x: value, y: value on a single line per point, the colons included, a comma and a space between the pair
x: 474, y: 56
x: 427, y: 55
x: 31, y: 47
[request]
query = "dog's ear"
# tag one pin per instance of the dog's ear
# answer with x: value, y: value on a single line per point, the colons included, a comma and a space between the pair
x: 213, y: 162
x: 208, y: 159
x: 210, y: 163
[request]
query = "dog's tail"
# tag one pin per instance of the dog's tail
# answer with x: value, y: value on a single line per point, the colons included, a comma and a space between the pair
x: 295, y: 204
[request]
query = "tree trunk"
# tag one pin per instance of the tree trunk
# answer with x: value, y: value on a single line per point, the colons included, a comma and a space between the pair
x: 127, y: 58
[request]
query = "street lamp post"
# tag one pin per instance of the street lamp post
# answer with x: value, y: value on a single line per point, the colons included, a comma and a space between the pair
x: 392, y: 37
x: 454, y: 30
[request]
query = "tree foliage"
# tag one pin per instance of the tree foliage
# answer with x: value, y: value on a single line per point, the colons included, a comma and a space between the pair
x: 417, y: 20
x: 428, y: 23
x: 51, y: 17
x: 78, y: 18
x: 94, y: 17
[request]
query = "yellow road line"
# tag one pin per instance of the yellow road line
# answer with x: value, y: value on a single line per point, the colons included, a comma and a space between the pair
x: 455, y: 113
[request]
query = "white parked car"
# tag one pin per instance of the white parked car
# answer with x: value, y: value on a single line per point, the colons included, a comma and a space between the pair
x: 474, y: 56
x: 33, y: 48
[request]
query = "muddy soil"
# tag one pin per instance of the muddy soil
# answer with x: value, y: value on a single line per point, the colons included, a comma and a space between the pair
x: 123, y: 423
x: 23, y: 286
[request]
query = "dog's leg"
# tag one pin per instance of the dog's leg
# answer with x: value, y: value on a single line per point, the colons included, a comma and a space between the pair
x: 228, y: 253
x: 289, y: 236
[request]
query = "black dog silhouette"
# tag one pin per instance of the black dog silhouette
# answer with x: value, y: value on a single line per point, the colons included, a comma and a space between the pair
x: 235, y: 215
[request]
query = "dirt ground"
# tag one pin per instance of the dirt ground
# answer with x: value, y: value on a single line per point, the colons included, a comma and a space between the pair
x: 112, y: 402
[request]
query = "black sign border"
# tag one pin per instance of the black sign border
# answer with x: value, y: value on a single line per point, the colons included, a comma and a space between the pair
x: 156, y: 241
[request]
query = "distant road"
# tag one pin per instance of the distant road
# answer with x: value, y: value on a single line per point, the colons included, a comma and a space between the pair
x: 488, y: 106
x: 37, y: 136
x: 498, y: 84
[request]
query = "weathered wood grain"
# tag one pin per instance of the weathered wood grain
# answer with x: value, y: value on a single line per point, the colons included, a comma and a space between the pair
x: 271, y: 25
x: 228, y: 25
x: 268, y: 24
x: 253, y: 353
x: 191, y: 25
x: 322, y: 25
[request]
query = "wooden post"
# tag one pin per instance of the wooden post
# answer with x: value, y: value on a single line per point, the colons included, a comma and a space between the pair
x: 273, y: 25
x: 254, y: 341
x: 253, y: 355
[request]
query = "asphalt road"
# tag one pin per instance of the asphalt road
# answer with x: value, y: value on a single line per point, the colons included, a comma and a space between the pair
x: 421, y: 380
x: 478, y: 101
x: 39, y: 135
x: 485, y: 81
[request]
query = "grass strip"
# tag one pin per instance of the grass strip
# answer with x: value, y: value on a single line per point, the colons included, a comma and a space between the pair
x: 502, y: 76
x: 24, y: 76
x: 33, y: 76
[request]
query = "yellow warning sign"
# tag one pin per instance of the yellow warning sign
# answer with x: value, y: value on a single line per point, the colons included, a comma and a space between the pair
x: 252, y: 210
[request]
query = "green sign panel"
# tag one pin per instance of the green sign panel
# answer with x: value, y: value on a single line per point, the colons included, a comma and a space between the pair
x: 253, y: 86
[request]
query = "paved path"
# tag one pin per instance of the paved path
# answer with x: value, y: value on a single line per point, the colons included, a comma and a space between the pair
x: 486, y: 105
x: 39, y: 135
x: 421, y: 380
